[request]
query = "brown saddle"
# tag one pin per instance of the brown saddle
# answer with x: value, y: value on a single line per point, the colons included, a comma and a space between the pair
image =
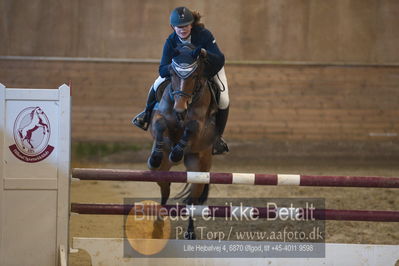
x: 161, y: 89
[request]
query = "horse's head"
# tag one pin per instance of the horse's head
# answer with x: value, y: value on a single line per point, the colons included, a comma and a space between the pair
x: 38, y: 114
x: 187, y: 75
x: 35, y: 112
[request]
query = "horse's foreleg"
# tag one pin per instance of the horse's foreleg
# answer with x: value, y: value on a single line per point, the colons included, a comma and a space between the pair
x: 178, y: 150
x: 155, y: 159
x: 198, y: 192
x: 159, y: 224
x: 199, y: 162
x: 196, y: 198
x: 165, y: 186
x: 159, y: 230
x: 165, y: 192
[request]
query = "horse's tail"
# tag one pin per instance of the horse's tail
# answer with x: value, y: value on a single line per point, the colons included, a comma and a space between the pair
x: 185, y: 192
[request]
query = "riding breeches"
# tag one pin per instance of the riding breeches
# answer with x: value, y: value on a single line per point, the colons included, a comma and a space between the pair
x: 221, y: 81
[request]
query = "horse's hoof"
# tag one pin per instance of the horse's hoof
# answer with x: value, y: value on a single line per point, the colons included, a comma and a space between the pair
x: 175, y: 158
x: 151, y: 165
x: 176, y: 155
x: 154, y: 161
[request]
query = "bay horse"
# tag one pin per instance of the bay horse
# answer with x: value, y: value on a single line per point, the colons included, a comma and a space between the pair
x: 183, y: 125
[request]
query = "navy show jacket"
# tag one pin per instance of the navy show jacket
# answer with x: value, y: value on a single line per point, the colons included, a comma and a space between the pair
x: 199, y: 37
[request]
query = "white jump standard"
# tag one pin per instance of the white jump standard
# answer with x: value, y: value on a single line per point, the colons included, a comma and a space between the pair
x: 35, y: 175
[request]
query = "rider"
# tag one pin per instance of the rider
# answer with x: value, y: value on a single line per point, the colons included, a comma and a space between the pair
x: 188, y: 29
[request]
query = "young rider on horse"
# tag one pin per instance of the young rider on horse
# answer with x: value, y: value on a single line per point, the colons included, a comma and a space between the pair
x: 188, y: 29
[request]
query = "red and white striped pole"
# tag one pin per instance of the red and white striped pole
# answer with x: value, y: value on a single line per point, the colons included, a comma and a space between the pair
x: 235, y: 178
x: 227, y: 211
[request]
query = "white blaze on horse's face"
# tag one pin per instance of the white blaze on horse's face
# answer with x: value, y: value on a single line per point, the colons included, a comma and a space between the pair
x: 184, y: 68
x: 186, y: 86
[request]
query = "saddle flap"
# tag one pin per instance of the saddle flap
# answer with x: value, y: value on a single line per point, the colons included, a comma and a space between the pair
x: 160, y: 90
x: 215, y: 91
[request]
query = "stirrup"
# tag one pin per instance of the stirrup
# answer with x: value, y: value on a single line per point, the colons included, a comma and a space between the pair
x: 220, y: 146
x: 141, y: 120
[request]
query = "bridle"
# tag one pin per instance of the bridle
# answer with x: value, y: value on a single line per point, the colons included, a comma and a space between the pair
x: 184, y: 71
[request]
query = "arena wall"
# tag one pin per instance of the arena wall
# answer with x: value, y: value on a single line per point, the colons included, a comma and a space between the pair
x: 302, y: 30
x: 268, y: 102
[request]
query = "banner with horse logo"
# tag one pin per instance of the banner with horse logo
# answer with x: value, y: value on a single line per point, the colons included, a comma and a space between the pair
x: 31, y: 134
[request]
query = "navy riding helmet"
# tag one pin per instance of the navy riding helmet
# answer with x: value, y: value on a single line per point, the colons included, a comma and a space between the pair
x: 181, y: 16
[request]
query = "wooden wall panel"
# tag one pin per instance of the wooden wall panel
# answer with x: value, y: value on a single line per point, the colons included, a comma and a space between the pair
x: 268, y: 102
x: 273, y: 30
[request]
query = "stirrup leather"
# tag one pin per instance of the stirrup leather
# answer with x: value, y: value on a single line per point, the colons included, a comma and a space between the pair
x: 142, y: 120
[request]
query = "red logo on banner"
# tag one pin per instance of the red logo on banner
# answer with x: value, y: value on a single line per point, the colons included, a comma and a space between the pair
x: 31, y: 135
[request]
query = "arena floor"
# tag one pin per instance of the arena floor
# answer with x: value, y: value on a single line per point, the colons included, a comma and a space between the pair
x: 242, y: 158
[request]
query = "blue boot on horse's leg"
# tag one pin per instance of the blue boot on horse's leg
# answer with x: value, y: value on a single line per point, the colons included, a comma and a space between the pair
x: 155, y: 159
x: 220, y: 146
x: 178, y: 150
x: 142, y: 120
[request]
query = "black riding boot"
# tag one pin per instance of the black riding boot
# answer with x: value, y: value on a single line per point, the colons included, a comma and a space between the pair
x: 220, y: 145
x: 142, y: 120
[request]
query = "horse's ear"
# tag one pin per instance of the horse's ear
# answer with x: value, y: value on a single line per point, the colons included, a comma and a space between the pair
x: 195, y: 53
